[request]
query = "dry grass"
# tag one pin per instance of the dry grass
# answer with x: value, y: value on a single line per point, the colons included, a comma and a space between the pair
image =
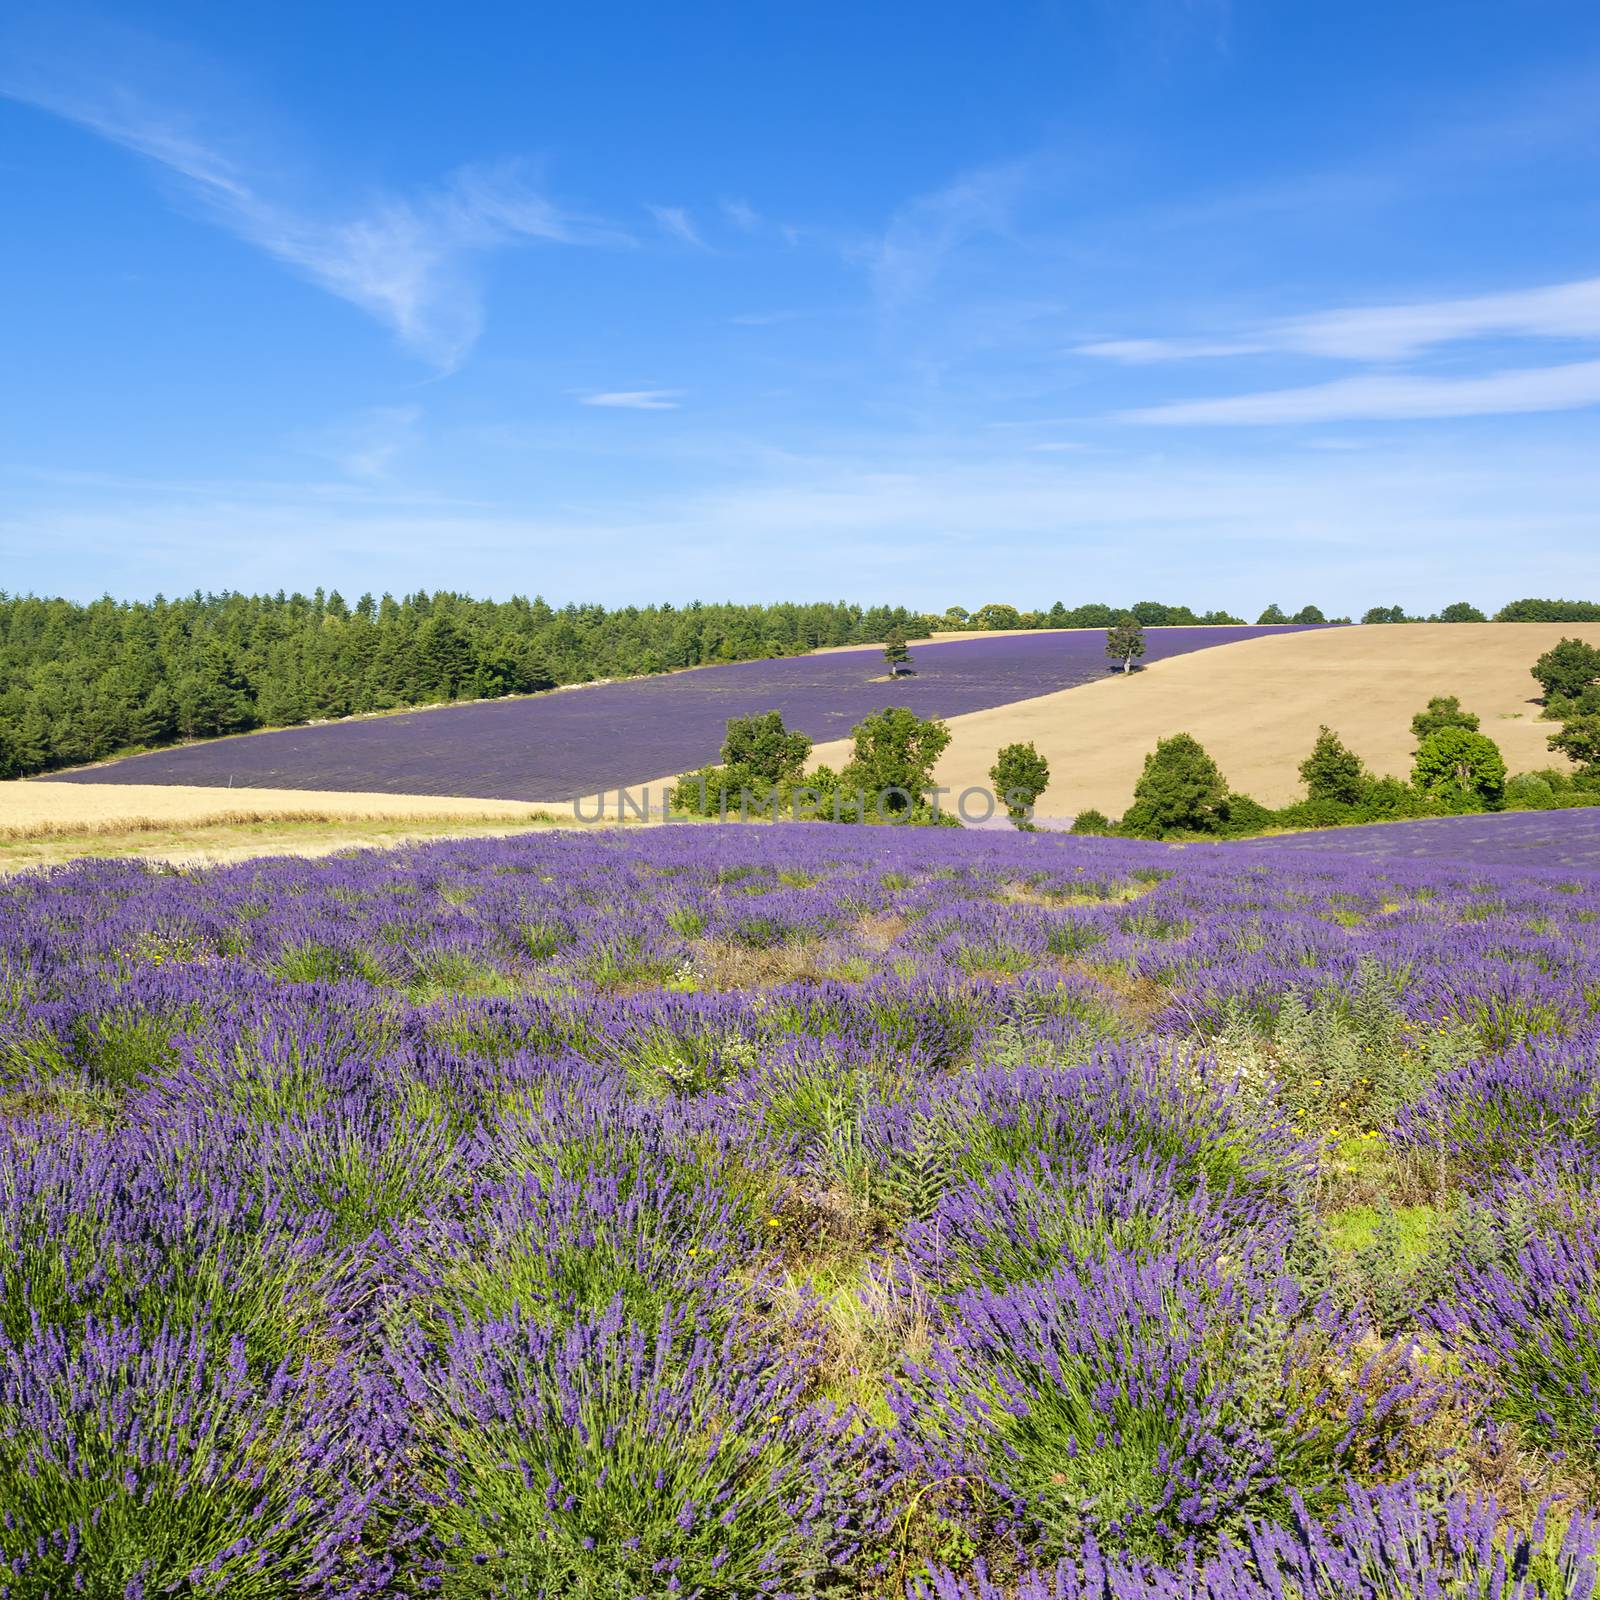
x: 1256, y: 706
x: 241, y: 839
x: 42, y: 824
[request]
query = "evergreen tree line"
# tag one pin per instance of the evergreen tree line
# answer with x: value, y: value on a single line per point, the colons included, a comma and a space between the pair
x: 81, y: 682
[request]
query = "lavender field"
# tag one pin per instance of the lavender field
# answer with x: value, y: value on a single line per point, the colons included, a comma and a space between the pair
x: 561, y: 746
x: 801, y: 1211
x: 1569, y: 838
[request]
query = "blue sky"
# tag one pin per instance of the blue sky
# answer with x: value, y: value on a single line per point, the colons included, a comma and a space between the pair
x: 1186, y: 299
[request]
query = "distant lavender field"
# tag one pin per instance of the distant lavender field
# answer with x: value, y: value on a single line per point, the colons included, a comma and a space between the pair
x: 561, y: 746
x: 1543, y: 839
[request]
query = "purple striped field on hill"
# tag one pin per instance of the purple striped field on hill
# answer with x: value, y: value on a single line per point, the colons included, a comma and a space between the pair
x: 1540, y: 839
x: 561, y: 746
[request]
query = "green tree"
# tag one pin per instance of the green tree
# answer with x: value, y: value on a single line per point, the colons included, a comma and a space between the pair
x: 1443, y: 711
x: 1273, y: 613
x: 1384, y: 614
x: 994, y: 616
x: 1460, y: 611
x: 1567, y: 669
x: 1458, y: 765
x: 1579, y: 741
x: 764, y: 749
x: 1125, y: 640
x: 444, y: 656
x: 1333, y: 771
x: 1020, y: 775
x: 1549, y: 611
x: 1181, y: 790
x: 895, y: 651
x: 1308, y: 614
x: 893, y: 759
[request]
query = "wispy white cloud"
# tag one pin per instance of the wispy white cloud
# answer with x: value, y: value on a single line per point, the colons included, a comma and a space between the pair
x: 407, y: 260
x: 1390, y: 332
x: 675, y: 222
x: 742, y: 215
x: 635, y: 399
x: 366, y: 446
x: 1387, y: 398
x: 1140, y: 352
x: 905, y: 262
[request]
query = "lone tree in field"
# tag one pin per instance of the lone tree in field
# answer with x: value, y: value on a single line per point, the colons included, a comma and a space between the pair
x: 1565, y: 671
x: 1125, y: 640
x: 1457, y: 764
x: 761, y: 747
x: 1020, y: 775
x: 1443, y: 711
x: 895, y: 650
x: 1181, y: 790
x: 892, y: 763
x: 1333, y: 771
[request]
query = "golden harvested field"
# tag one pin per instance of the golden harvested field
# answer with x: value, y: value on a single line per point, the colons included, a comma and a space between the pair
x: 1256, y: 706
x: 45, y: 823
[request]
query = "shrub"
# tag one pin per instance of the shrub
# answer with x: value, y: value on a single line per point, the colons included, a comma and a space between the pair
x: 1240, y: 815
x: 1092, y: 821
x: 1180, y: 790
x: 1333, y: 771
x: 1528, y: 791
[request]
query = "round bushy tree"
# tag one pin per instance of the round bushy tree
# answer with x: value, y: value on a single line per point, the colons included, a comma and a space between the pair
x: 1333, y: 771
x: 1180, y: 790
x: 1273, y: 614
x: 996, y: 615
x: 1456, y: 763
x: 1567, y: 669
x: 762, y: 747
x: 1020, y: 775
x: 1443, y: 711
x: 1309, y: 614
x: 893, y: 758
x: 1461, y: 611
